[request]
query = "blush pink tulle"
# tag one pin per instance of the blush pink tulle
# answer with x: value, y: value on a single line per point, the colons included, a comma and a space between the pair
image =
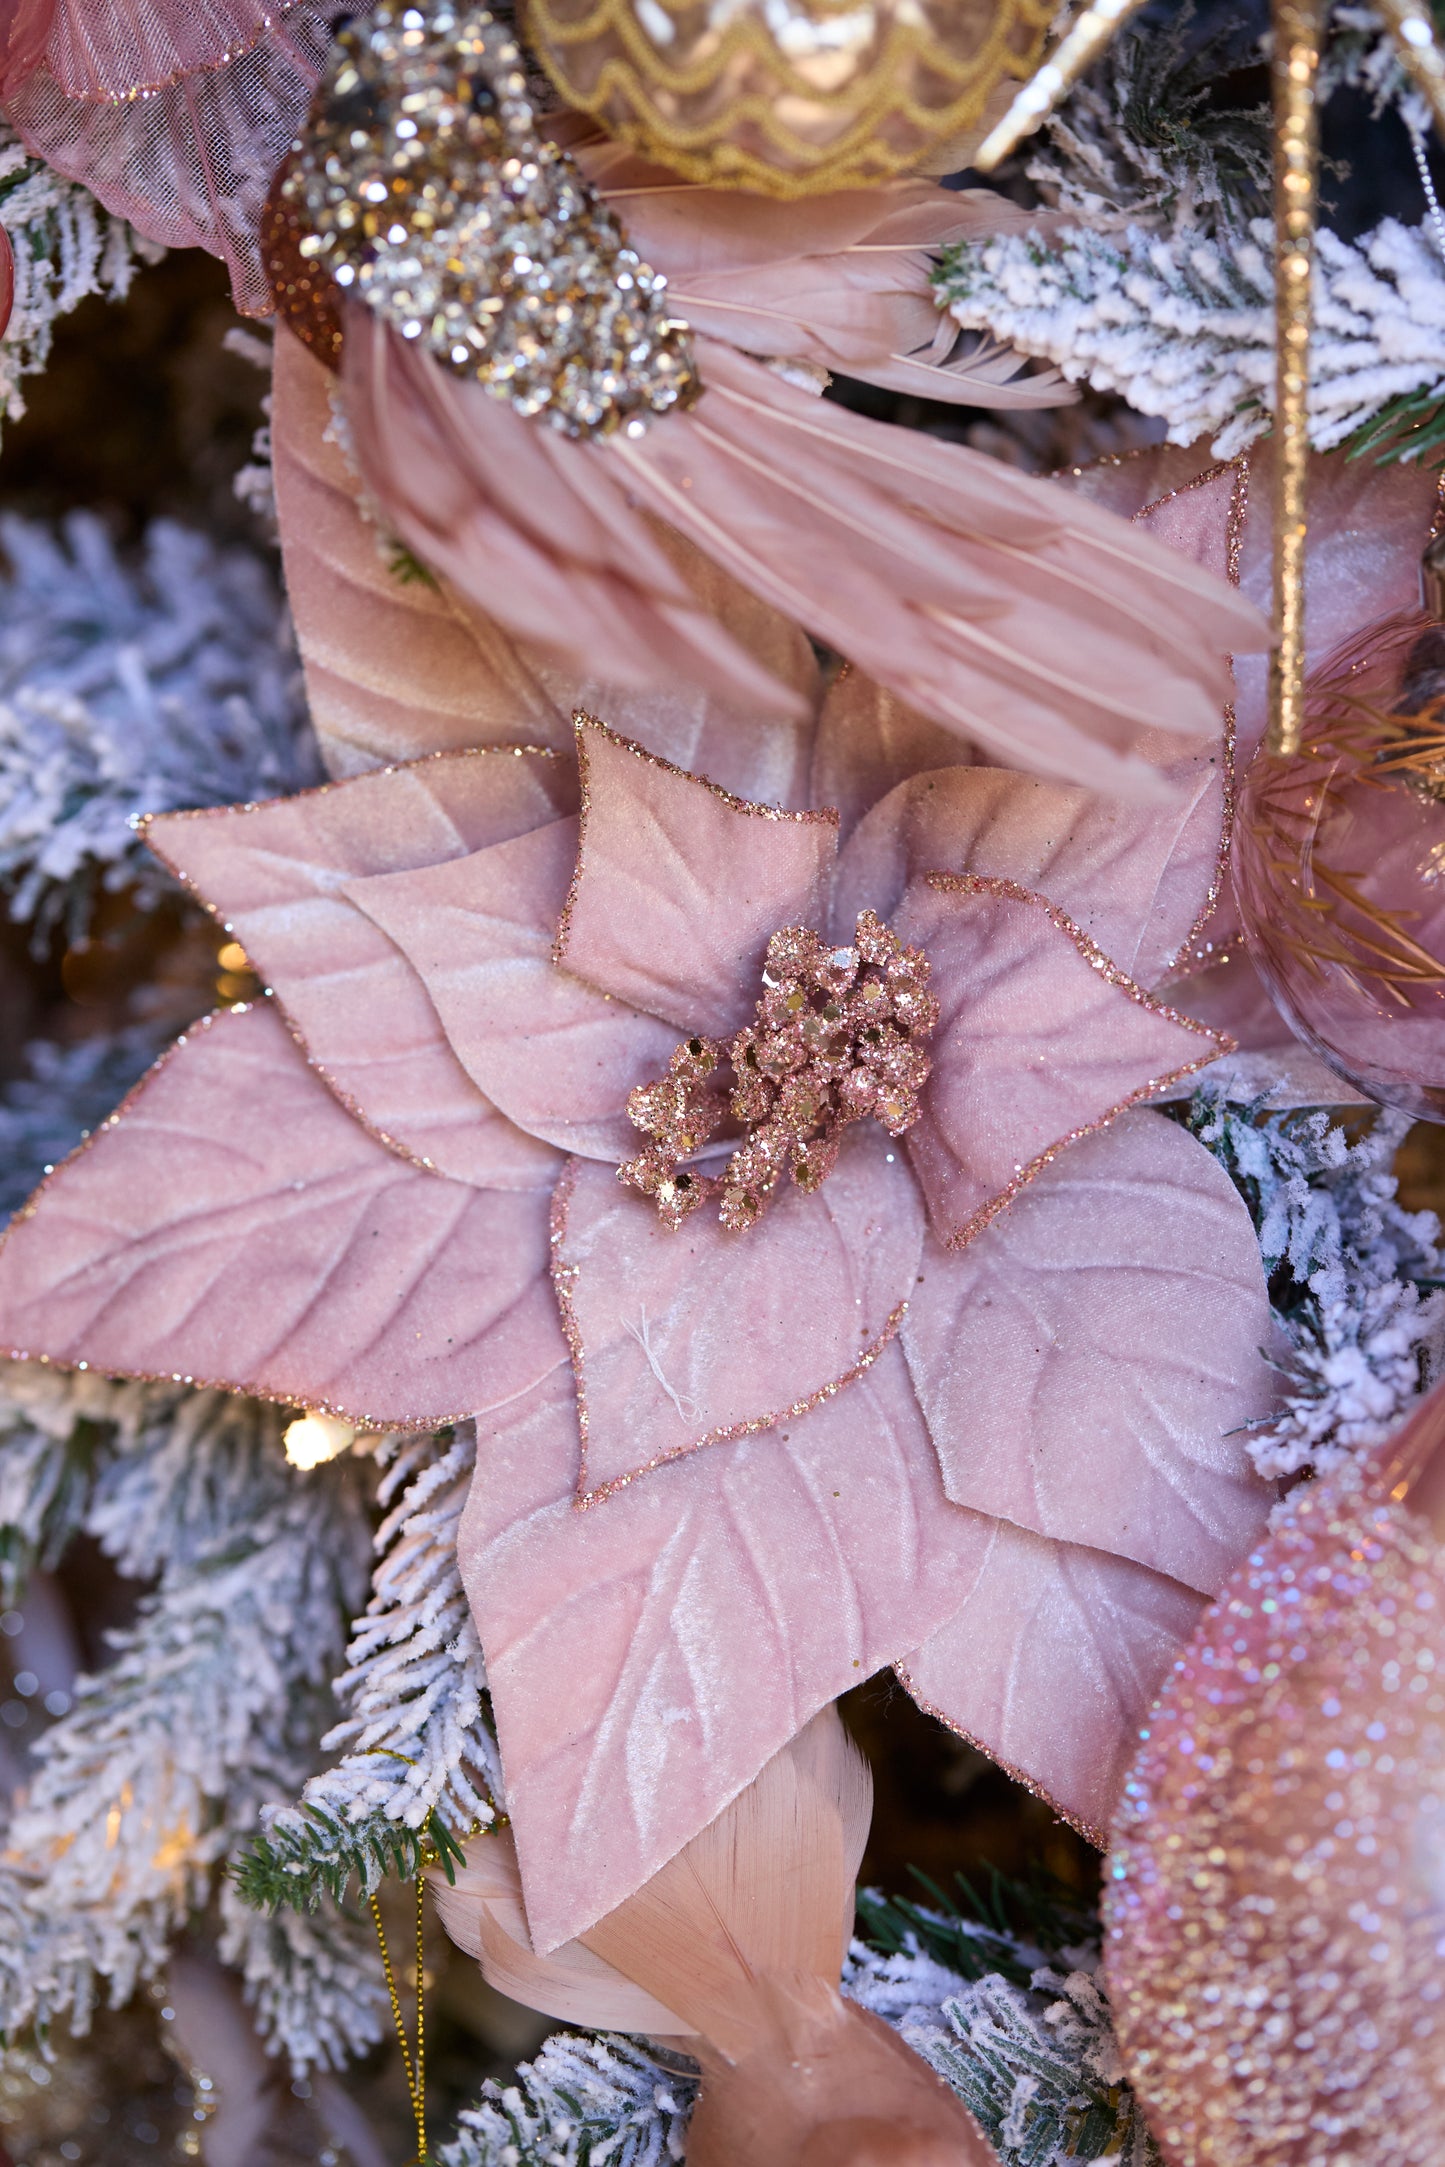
x: 174, y: 116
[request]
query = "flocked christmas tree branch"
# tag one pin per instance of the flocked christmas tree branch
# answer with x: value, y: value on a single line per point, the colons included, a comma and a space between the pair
x: 1150, y: 274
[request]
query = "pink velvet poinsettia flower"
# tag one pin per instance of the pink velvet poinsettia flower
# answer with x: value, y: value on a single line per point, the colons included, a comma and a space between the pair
x: 969, y: 1406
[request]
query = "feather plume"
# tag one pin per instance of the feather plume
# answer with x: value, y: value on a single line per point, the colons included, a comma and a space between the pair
x: 1003, y: 607
x: 482, y: 1910
x: 844, y: 281
x: 533, y: 530
x: 736, y: 1946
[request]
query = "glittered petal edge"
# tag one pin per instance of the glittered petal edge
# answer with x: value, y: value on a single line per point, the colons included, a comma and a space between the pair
x: 1220, y: 1041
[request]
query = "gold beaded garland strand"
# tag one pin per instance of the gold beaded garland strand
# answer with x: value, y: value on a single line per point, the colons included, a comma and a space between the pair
x: 1298, y: 30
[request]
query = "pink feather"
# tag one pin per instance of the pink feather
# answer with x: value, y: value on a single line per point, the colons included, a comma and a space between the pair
x: 735, y: 1947
x: 1005, y: 608
x: 843, y: 280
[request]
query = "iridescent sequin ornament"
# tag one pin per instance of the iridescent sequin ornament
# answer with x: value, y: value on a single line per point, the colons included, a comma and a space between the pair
x: 1275, y: 1898
x: 426, y: 190
x: 839, y: 1034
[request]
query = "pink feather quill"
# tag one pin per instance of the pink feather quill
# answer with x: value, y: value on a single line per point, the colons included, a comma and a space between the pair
x: 1003, y: 607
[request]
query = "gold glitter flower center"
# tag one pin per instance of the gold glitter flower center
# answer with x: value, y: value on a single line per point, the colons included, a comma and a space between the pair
x: 838, y: 1035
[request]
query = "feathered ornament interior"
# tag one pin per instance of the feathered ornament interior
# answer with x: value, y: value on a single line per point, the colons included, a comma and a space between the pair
x: 530, y: 389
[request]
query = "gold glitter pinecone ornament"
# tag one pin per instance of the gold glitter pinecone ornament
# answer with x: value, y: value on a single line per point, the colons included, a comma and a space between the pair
x: 423, y: 187
x: 792, y: 97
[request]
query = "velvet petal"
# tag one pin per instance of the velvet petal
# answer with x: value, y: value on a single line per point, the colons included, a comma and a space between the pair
x: 1132, y: 877
x: 648, y: 1655
x: 688, y: 1338
x: 1051, y: 1662
x: 555, y: 1055
x: 869, y: 741
x: 1039, y: 1041
x: 232, y: 1225
x: 678, y: 886
x: 274, y: 874
x: 1087, y: 1364
x: 1368, y: 525
x: 1229, y: 995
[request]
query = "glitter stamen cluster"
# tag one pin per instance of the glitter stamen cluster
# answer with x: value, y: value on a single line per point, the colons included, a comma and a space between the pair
x: 839, y: 1034
x: 426, y: 189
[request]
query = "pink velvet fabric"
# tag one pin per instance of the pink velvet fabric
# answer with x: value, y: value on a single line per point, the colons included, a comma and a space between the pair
x: 796, y: 1450
x: 235, y: 1226
x: 662, y: 1320
x: 787, y: 1477
x: 364, y: 1018
x: 1038, y: 1044
x: 676, y: 893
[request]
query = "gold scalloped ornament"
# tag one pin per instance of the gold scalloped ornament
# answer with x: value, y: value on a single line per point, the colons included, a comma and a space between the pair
x: 792, y: 97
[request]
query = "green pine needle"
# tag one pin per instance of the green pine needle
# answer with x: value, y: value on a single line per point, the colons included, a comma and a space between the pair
x: 296, y: 1867
x: 997, y: 1930
x: 1407, y: 431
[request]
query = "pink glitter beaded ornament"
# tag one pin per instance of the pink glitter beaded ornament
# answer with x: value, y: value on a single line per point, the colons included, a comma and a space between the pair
x: 1275, y: 1897
x: 1339, y: 867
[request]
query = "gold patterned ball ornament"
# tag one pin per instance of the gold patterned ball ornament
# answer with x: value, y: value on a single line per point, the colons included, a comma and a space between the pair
x: 792, y: 97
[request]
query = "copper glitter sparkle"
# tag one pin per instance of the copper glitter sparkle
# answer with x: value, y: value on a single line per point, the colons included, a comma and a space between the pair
x: 1275, y: 1902
x: 839, y: 1034
x: 427, y: 191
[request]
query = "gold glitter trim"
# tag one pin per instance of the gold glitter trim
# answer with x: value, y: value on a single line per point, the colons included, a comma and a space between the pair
x: 1294, y: 69
x: 566, y: 1277
x: 767, y: 101
x: 1098, y: 1837
x: 112, y: 1120
x: 143, y: 823
x: 1094, y: 955
x: 582, y: 722
x: 138, y: 91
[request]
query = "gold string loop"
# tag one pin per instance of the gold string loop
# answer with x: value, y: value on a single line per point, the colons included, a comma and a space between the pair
x: 414, y: 2063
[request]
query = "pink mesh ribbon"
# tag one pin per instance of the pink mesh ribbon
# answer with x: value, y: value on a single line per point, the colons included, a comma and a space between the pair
x: 175, y: 117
